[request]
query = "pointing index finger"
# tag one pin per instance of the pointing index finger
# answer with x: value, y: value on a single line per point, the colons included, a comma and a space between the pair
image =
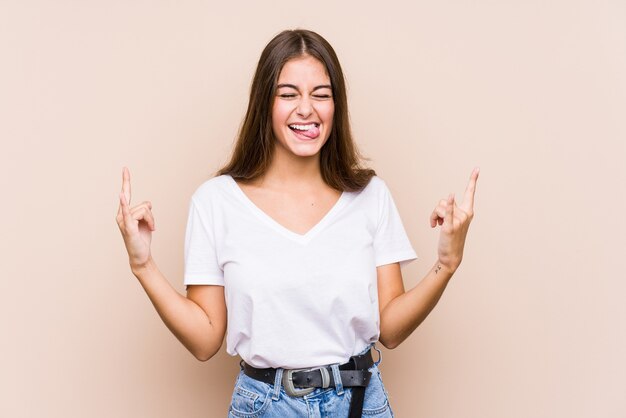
x: 470, y: 191
x: 126, y: 184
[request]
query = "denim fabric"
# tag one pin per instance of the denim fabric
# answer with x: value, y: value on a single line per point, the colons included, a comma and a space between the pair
x: 252, y: 398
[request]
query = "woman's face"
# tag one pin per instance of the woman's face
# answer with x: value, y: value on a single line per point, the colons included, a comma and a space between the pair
x: 302, y: 114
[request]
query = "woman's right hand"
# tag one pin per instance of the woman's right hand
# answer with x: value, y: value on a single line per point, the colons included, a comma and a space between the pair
x: 136, y: 225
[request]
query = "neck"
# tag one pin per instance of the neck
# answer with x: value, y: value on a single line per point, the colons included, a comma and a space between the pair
x: 291, y: 172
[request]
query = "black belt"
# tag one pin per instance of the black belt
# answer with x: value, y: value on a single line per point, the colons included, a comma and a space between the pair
x: 300, y: 382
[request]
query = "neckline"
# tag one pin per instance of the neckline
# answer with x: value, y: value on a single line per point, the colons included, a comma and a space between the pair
x: 274, y: 224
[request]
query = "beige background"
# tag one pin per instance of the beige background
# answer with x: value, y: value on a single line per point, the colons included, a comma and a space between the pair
x: 533, y: 92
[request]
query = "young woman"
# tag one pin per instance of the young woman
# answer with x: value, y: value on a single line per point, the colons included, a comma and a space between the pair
x: 298, y: 248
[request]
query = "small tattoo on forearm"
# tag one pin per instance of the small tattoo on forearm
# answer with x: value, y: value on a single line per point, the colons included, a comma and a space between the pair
x: 437, y: 268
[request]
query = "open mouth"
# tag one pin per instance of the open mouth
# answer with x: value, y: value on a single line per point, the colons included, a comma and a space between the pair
x: 308, y: 131
x: 301, y: 128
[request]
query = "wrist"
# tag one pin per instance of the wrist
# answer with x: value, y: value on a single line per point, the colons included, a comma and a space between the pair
x: 442, y: 269
x: 140, y: 269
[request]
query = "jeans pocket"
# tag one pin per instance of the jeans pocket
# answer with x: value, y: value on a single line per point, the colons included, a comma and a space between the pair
x: 250, y: 397
x: 376, y: 402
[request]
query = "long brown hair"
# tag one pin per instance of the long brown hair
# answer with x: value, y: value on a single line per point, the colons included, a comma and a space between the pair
x: 340, y: 160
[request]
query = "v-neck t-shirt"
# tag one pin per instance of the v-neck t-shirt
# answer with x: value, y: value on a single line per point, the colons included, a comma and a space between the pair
x: 294, y: 300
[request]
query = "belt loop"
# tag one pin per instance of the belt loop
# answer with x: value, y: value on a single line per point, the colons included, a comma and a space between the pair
x: 337, y: 378
x: 278, y: 378
x: 241, y: 364
x: 380, y: 356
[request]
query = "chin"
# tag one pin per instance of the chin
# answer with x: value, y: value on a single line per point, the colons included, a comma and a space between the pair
x: 305, y: 154
x: 306, y: 150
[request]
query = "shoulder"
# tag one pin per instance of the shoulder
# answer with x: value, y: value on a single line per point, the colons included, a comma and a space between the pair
x: 376, y: 187
x: 373, y: 196
x: 211, y: 189
x: 376, y: 182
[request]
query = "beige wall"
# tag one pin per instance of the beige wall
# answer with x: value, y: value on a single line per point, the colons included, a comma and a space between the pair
x: 533, y: 92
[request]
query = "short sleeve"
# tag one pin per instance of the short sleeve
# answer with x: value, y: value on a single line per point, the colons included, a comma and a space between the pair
x: 391, y: 243
x: 201, y: 263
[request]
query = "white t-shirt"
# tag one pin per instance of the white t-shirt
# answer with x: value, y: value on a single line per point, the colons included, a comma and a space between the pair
x: 294, y: 300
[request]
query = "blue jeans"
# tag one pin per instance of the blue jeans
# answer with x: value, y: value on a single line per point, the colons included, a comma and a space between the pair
x: 253, y: 398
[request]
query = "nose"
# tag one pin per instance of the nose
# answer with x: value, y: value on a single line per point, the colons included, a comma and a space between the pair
x: 304, y: 108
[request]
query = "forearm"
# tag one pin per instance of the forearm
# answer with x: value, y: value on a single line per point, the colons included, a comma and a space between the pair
x: 184, y: 318
x: 404, y: 313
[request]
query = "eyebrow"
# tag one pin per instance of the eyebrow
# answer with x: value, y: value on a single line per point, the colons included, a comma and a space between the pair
x: 323, y: 86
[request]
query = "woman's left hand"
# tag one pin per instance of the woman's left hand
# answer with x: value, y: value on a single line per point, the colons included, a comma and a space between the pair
x: 455, y: 221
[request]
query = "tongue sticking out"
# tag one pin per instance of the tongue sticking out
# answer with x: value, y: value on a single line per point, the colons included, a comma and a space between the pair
x: 312, y: 133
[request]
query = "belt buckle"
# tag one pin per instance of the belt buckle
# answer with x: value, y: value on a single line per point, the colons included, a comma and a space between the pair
x: 294, y: 392
x: 289, y: 387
